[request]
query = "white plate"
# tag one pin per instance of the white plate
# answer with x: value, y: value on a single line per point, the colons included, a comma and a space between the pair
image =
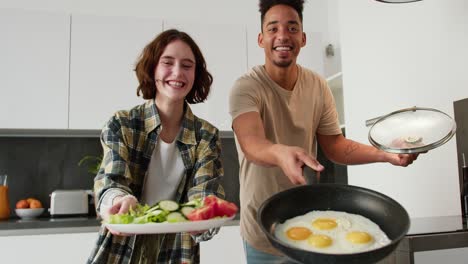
x: 160, y: 228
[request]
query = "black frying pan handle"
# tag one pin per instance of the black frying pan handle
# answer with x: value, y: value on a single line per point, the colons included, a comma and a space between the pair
x: 311, y: 176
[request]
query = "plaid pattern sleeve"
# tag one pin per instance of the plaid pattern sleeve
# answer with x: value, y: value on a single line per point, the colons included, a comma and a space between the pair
x: 128, y: 142
x: 114, y: 171
x: 207, y: 171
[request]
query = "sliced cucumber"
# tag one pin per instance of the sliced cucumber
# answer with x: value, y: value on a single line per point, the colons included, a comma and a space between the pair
x: 186, y: 210
x: 154, y: 208
x: 193, y: 203
x: 175, y: 217
x: 169, y: 205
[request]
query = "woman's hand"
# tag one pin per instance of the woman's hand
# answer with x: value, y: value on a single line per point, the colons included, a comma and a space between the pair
x: 121, y: 205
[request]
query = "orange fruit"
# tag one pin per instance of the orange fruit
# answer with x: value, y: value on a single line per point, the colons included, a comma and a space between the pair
x: 31, y: 199
x: 35, y: 204
x: 22, y: 204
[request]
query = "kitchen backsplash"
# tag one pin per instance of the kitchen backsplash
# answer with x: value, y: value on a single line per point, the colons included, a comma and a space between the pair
x: 36, y: 166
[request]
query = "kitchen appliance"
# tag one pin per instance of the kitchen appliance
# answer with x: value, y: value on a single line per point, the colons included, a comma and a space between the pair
x: 69, y: 202
x: 382, y: 210
x: 464, y: 186
x: 460, y: 108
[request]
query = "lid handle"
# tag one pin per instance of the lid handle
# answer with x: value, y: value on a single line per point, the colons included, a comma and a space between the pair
x: 372, y: 121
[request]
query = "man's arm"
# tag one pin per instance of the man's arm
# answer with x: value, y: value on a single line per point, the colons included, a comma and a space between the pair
x: 345, y: 151
x: 250, y: 134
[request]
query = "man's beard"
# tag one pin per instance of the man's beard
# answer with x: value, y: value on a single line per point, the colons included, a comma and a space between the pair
x: 283, y: 64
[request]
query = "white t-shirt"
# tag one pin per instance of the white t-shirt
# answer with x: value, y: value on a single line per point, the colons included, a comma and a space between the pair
x: 165, y: 172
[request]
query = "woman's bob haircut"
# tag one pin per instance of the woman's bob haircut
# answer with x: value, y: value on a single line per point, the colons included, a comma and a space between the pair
x: 149, y: 59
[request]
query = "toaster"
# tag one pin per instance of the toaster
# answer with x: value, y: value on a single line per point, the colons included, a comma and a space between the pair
x: 69, y: 202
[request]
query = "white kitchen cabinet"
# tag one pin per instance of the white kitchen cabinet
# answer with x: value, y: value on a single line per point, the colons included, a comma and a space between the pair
x: 34, y: 67
x: 52, y: 249
x: 104, y: 51
x: 226, y: 247
x: 225, y: 50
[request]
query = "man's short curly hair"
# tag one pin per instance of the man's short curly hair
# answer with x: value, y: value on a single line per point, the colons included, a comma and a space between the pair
x: 265, y: 5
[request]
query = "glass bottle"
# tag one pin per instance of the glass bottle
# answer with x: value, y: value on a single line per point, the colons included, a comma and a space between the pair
x: 4, y: 203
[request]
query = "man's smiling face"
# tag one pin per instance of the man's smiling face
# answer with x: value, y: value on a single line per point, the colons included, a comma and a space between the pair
x: 282, y: 36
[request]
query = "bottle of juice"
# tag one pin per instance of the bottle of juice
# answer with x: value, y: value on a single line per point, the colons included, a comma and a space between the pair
x: 4, y: 203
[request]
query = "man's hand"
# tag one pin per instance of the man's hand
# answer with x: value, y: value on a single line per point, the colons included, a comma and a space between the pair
x: 292, y: 159
x: 401, y: 159
x: 250, y: 133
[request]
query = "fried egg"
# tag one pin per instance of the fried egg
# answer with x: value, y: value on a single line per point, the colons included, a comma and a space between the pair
x: 331, y: 232
x: 295, y: 232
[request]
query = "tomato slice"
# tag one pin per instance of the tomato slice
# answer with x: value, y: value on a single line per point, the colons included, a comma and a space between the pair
x: 213, y: 207
x: 210, y: 199
x: 202, y: 213
x: 226, y: 208
x: 223, y: 207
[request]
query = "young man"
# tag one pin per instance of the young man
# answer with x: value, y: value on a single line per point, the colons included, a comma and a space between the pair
x: 280, y: 111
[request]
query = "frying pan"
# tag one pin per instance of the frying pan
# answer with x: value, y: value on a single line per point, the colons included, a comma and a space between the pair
x: 381, y: 209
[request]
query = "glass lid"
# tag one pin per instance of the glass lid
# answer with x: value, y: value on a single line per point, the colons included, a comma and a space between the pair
x: 411, y: 130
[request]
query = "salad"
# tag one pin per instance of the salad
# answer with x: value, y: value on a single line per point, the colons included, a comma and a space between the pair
x: 168, y: 211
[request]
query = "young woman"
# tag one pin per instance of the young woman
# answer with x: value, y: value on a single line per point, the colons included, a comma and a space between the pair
x: 159, y: 150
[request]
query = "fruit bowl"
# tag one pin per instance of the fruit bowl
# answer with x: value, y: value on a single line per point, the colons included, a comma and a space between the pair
x: 29, y: 213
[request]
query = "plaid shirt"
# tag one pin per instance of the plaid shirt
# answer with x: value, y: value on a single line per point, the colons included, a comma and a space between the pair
x: 128, y: 141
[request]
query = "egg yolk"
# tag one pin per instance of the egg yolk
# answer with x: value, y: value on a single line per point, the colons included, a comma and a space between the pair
x: 358, y: 237
x: 319, y: 241
x: 298, y: 233
x: 324, y: 224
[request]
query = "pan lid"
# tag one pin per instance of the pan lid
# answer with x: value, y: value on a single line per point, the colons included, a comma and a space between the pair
x: 411, y: 130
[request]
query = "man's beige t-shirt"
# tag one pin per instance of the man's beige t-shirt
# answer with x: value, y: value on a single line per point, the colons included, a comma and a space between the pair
x: 289, y: 117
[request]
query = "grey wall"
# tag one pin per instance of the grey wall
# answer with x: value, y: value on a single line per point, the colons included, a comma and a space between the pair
x: 38, y: 166
x: 230, y: 180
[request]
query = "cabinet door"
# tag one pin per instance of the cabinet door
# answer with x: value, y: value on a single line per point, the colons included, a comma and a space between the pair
x: 226, y: 247
x: 104, y: 51
x: 51, y: 249
x: 34, y: 64
x: 225, y: 50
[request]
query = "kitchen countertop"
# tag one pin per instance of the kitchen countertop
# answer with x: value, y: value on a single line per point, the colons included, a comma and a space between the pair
x: 62, y: 225
x: 47, y: 225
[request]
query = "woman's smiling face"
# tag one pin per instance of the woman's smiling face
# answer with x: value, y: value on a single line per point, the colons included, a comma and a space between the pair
x: 175, y: 72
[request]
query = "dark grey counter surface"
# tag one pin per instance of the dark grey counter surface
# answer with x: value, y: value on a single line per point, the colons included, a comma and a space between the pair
x: 63, y: 225
x: 47, y: 225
